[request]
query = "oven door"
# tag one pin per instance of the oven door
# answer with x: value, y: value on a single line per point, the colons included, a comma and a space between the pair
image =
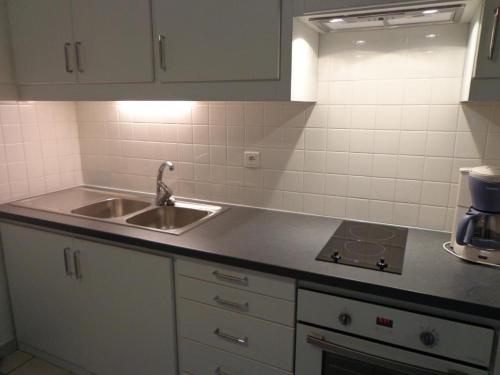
x: 323, y: 352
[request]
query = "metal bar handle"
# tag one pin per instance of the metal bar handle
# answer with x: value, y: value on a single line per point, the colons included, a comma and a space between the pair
x: 494, y: 32
x: 235, y: 339
x: 329, y: 346
x: 219, y: 371
x: 234, y: 279
x: 67, y: 46
x: 79, y: 64
x: 67, y: 263
x: 234, y: 305
x: 78, y: 267
x: 161, y: 51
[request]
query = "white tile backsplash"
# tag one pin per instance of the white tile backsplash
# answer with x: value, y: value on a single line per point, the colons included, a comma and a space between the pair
x: 39, y: 148
x: 383, y: 143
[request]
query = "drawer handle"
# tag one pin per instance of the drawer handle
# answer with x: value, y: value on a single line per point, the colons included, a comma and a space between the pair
x: 78, y: 267
x: 79, y: 63
x: 67, y: 46
x: 67, y: 265
x: 225, y: 336
x: 219, y: 371
x: 161, y: 51
x: 231, y: 304
x: 234, y: 279
x: 494, y: 32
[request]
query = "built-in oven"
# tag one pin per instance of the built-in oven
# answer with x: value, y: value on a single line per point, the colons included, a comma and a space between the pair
x: 341, y: 336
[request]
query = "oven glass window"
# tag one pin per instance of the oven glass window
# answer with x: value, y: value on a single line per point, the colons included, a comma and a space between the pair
x: 337, y: 365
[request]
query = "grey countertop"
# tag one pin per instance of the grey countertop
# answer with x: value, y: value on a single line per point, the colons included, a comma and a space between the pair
x: 287, y: 244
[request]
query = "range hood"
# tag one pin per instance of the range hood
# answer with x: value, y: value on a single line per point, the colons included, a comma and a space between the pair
x: 407, y: 15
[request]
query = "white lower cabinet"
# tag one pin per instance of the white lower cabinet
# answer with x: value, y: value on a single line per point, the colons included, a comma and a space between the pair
x: 45, y: 301
x: 202, y: 359
x: 230, y: 323
x: 104, y: 309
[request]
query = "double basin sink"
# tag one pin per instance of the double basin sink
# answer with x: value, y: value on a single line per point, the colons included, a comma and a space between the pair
x: 130, y: 209
x: 172, y: 219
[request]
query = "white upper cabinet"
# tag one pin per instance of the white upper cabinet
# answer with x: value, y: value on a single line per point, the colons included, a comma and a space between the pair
x: 7, y: 82
x: 41, y: 37
x: 218, y: 40
x: 482, y: 67
x: 163, y: 50
x: 61, y: 41
x: 113, y: 40
x: 488, y: 59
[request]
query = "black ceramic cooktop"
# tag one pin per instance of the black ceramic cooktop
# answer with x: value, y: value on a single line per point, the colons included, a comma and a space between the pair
x: 374, y: 246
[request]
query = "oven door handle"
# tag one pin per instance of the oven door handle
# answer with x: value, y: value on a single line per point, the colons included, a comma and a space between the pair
x: 330, y: 347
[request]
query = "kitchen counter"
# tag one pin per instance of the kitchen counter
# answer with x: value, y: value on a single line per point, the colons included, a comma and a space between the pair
x: 286, y: 244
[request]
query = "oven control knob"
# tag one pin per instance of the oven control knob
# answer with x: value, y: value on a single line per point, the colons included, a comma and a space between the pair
x: 345, y: 319
x: 428, y: 338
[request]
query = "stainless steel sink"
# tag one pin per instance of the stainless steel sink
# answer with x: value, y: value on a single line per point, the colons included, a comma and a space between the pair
x: 174, y: 219
x: 124, y: 208
x: 110, y: 208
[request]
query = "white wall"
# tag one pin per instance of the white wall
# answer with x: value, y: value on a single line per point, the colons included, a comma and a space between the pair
x: 39, y: 152
x: 384, y: 143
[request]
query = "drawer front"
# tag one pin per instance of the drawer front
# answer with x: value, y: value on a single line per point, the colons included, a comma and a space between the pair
x: 252, y: 281
x: 236, y: 300
x: 199, y: 359
x: 253, y: 338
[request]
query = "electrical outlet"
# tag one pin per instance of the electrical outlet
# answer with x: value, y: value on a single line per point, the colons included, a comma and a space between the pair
x: 252, y: 159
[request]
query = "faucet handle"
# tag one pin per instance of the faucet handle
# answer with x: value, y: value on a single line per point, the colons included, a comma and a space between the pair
x: 170, y: 165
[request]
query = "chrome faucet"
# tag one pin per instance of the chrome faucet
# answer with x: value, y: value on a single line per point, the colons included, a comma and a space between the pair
x: 164, y: 195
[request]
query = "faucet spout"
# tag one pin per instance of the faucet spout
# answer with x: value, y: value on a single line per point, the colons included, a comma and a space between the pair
x: 164, y: 194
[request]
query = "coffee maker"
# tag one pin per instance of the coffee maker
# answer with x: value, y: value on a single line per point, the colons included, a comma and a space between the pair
x: 476, y: 235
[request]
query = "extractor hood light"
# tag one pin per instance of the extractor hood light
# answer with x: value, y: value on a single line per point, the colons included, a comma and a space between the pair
x: 391, y: 18
x: 431, y: 36
x: 360, y: 42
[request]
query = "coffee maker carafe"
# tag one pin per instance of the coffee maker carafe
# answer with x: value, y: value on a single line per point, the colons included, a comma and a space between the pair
x: 480, y: 226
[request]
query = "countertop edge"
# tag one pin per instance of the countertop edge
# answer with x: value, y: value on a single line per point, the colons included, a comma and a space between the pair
x: 353, y: 285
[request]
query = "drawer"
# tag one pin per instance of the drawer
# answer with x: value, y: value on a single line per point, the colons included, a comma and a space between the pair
x: 249, y: 337
x: 199, y: 359
x: 236, y: 300
x: 257, y: 282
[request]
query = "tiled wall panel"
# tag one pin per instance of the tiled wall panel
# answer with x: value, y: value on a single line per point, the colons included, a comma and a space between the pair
x: 39, y: 148
x: 384, y: 142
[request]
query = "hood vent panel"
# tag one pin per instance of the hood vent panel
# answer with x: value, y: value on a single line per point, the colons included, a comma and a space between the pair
x: 393, y: 18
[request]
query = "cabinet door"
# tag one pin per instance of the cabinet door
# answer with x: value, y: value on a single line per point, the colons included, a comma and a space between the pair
x: 6, y: 71
x: 45, y: 300
x: 130, y: 311
x: 114, y: 38
x: 488, y: 59
x: 217, y: 40
x: 41, y: 38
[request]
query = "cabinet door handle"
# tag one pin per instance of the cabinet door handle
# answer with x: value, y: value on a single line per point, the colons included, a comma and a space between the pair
x: 162, y: 52
x: 235, y: 339
x: 234, y: 279
x: 78, y: 52
x: 231, y: 304
x: 494, y: 32
x: 220, y: 371
x: 67, y: 64
x: 78, y: 267
x: 67, y: 263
